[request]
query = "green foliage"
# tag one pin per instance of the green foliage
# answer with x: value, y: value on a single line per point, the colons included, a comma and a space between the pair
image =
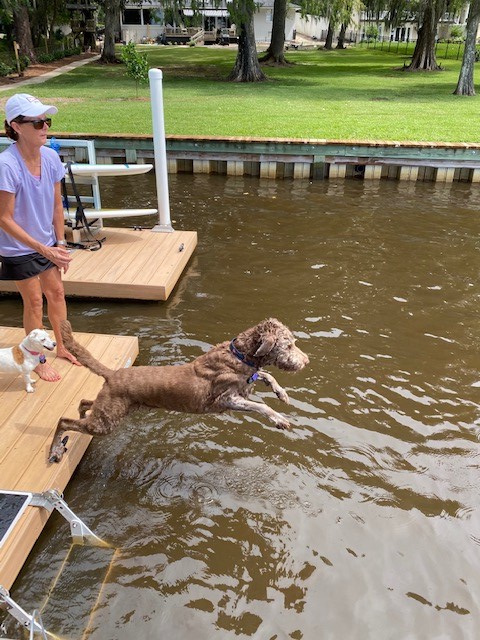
x: 5, y: 69
x: 457, y: 33
x: 24, y: 62
x: 240, y: 10
x: 58, y: 54
x: 372, y: 32
x: 45, y: 58
x: 72, y: 51
x: 335, y: 11
x: 135, y: 62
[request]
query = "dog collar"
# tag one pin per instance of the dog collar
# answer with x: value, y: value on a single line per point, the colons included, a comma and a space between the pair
x: 42, y: 359
x: 241, y: 356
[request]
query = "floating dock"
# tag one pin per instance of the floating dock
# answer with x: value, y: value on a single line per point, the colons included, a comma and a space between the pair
x: 133, y: 264
x: 27, y: 424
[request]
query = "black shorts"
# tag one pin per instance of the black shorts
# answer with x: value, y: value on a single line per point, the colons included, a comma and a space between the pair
x: 23, y: 267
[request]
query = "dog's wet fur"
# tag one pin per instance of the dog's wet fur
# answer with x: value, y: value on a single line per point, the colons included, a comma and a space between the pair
x: 217, y: 381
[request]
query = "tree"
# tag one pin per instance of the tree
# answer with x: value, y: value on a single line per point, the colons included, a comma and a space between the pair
x: 330, y: 33
x: 136, y: 64
x: 275, y: 54
x: 465, y: 86
x: 22, y: 31
x: 247, y: 67
x: 112, y: 10
x: 338, y: 12
x: 423, y: 57
x: 341, y: 36
x: 45, y: 20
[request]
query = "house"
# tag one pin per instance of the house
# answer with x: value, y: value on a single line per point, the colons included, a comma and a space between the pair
x: 149, y: 21
x: 407, y: 32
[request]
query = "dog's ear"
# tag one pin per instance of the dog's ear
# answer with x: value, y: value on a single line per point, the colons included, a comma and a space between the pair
x: 267, y: 344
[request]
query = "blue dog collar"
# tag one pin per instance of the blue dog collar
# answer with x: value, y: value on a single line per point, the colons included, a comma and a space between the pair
x: 240, y: 356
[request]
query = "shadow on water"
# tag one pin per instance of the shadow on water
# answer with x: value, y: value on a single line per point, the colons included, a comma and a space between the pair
x: 362, y: 521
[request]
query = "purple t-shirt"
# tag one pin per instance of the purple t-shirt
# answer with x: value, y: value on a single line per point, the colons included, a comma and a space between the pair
x: 34, y: 198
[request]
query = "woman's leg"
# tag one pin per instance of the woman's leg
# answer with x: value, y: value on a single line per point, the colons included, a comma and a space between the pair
x: 31, y: 292
x: 52, y: 286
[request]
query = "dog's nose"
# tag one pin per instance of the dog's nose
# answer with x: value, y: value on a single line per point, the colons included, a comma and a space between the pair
x: 54, y: 344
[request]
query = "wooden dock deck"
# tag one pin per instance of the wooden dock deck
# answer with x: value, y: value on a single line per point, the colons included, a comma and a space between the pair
x: 27, y: 424
x: 133, y: 264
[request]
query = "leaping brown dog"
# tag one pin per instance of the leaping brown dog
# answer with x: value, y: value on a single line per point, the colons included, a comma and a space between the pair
x: 217, y: 381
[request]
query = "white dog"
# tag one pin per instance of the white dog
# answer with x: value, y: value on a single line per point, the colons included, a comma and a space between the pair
x: 26, y: 356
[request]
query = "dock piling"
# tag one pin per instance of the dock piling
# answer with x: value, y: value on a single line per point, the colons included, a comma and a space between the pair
x: 160, y: 151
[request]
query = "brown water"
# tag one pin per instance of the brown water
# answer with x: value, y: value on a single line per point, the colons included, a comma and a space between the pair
x: 363, y: 522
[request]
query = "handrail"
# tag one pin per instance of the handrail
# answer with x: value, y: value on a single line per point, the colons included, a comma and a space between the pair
x: 200, y: 35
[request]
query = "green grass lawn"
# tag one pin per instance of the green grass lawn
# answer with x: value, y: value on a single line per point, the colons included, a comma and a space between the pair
x: 357, y: 93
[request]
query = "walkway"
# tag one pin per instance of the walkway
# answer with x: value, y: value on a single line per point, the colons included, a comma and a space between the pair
x: 49, y: 74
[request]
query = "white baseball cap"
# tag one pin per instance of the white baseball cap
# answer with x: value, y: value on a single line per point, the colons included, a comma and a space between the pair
x: 23, y: 104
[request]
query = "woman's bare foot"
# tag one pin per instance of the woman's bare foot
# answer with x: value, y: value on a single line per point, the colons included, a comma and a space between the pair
x: 46, y: 372
x: 66, y: 355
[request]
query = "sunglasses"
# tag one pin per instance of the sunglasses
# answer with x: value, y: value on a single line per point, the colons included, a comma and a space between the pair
x: 38, y: 124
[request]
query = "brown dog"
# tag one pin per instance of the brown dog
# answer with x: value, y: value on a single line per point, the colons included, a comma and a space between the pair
x: 218, y: 381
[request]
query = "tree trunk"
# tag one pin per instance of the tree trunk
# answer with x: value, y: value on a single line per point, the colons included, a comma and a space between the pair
x: 341, y: 36
x: 424, y: 54
x: 112, y: 20
x: 51, y: 25
x: 247, y: 68
x: 275, y: 55
x: 329, y: 40
x: 465, y: 86
x: 23, y: 34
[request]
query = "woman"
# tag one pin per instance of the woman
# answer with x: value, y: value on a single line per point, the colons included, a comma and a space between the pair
x: 33, y: 250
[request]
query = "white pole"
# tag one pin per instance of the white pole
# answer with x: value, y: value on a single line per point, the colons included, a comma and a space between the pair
x: 160, y: 151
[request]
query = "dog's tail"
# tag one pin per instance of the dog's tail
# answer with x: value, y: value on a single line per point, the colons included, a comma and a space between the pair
x: 84, y: 356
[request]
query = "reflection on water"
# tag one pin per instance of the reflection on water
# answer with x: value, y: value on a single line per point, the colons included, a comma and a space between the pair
x: 363, y: 521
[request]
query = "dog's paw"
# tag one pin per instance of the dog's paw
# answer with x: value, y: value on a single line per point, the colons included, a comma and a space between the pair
x: 282, y: 395
x: 30, y: 389
x: 56, y: 455
x: 281, y: 422
x: 57, y: 451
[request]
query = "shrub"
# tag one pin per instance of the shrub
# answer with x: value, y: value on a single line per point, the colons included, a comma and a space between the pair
x: 5, y: 69
x: 456, y: 33
x: 372, y: 32
x: 44, y: 58
x: 72, y: 51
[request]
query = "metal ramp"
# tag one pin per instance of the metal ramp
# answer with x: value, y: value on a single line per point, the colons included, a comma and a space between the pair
x: 13, y: 504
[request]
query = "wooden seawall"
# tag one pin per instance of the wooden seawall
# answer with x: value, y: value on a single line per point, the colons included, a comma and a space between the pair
x: 297, y: 159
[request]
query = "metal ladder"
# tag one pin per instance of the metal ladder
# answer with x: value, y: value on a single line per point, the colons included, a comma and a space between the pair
x: 81, y: 534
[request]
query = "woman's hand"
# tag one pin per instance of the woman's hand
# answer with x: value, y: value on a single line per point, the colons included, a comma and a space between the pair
x: 59, y: 256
